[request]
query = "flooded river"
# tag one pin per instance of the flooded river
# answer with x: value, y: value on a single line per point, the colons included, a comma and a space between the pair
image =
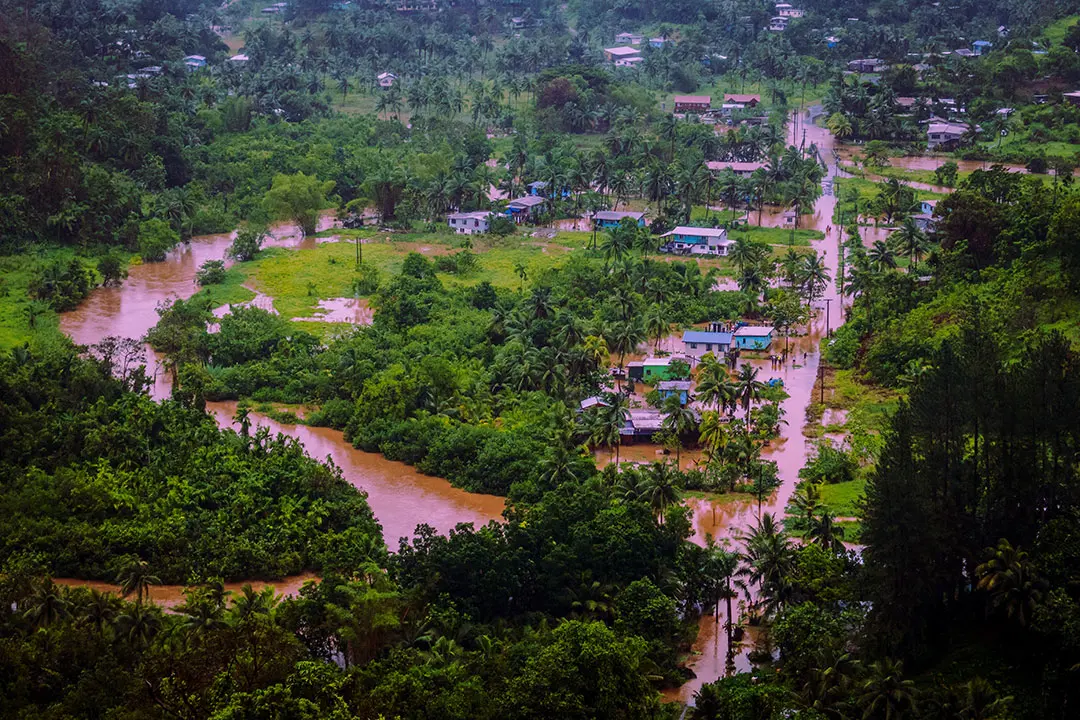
x: 399, y: 496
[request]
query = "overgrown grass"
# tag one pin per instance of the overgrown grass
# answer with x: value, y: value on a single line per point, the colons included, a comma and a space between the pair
x: 1054, y: 34
x: 232, y: 291
x: 843, y: 498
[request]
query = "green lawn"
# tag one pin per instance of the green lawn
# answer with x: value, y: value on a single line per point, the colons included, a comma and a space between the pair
x: 843, y: 499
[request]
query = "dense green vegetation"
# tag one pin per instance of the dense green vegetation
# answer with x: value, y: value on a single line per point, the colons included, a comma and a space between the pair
x: 955, y: 366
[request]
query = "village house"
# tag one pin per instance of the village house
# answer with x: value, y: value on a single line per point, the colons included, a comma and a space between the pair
x: 238, y: 59
x: 668, y: 388
x: 778, y: 24
x: 1073, y: 98
x: 594, y: 401
x: 525, y: 208
x: 788, y: 11
x: 753, y: 337
x: 867, y: 65
x: 906, y: 103
x: 469, y: 223
x: 742, y: 169
x: 740, y: 99
x: 194, y: 62
x: 943, y: 135
x: 641, y: 424
x: 658, y: 42
x: 629, y: 62
x: 607, y: 219
x: 715, y: 340
x: 614, y: 54
x: 627, y: 38
x: 652, y: 369
x: 517, y: 23
x: 696, y: 104
x: 685, y: 240
x: 924, y: 219
x: 981, y: 47
x: 386, y: 80
x: 832, y: 41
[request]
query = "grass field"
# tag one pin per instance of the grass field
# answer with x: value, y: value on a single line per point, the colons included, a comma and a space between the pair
x: 843, y: 499
x: 1054, y: 34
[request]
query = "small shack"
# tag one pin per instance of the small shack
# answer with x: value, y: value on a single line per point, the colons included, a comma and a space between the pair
x: 753, y: 337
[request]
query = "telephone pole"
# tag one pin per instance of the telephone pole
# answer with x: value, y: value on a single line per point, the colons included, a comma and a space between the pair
x: 828, y: 330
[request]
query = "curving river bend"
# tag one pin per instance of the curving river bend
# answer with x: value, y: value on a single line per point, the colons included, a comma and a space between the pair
x: 400, y: 497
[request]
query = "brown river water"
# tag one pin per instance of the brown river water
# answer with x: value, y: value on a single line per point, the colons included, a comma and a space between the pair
x: 400, y: 497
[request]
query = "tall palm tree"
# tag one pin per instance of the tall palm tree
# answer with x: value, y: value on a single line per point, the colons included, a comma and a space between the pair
x: 660, y: 488
x: 47, y: 605
x: 910, y: 242
x: 768, y: 561
x: 881, y: 256
x: 748, y: 387
x: 656, y: 324
x: 1014, y: 586
x: 137, y: 579
x: 679, y: 420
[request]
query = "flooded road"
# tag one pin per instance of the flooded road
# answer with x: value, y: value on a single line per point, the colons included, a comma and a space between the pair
x: 401, y: 498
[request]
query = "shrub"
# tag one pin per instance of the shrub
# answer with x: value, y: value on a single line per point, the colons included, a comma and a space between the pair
x: 247, y: 244
x: 156, y: 239
x: 830, y: 464
x: 211, y: 272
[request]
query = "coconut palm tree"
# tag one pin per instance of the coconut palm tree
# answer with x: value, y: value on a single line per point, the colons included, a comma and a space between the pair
x: 910, y: 242
x: 768, y: 561
x: 885, y: 693
x: 748, y: 387
x: 660, y: 488
x: 136, y: 580
x: 1013, y: 584
x: 881, y: 256
x: 47, y: 605
x: 679, y: 420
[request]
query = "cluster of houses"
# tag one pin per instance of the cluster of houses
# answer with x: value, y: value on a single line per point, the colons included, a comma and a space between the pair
x: 627, y: 51
x: 785, y: 13
x: 702, y: 107
x: 659, y: 372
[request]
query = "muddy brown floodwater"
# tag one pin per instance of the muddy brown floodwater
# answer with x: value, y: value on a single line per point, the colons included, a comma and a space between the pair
x: 401, y: 498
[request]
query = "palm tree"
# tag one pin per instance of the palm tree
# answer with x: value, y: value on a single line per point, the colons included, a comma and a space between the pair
x: 1013, y: 584
x: 656, y: 324
x: 659, y: 487
x: 47, y: 605
x: 679, y: 419
x: 139, y: 625
x: 713, y: 384
x: 607, y: 421
x: 909, y: 241
x: 885, y: 693
x: 748, y: 387
x: 101, y: 610
x: 137, y: 579
x: 626, y: 337
x: 769, y: 559
x: 881, y: 256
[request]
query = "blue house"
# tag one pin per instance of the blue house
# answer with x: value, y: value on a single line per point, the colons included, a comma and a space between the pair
x: 753, y: 337
x: 658, y: 42
x: 539, y: 189
x: 981, y: 47
x: 698, y: 342
x: 194, y: 62
x: 606, y: 219
x: 667, y: 388
x: 524, y: 208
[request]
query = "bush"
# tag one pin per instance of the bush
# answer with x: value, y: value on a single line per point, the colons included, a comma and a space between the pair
x: 156, y: 239
x: 247, y: 244
x: 830, y: 464
x: 62, y: 286
x: 112, y: 269
x: 211, y: 272
x: 367, y: 280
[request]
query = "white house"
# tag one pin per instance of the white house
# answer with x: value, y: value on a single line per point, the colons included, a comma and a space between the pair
x: 627, y: 38
x: 629, y: 62
x: 788, y: 11
x: 944, y: 134
x: 685, y: 240
x: 238, y: 59
x: 614, y: 54
x: 469, y: 223
x: 778, y: 24
x: 386, y: 79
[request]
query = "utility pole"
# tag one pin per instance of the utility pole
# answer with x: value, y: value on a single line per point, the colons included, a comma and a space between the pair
x: 828, y: 331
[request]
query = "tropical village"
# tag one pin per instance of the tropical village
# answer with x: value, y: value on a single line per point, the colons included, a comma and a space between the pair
x: 425, y: 359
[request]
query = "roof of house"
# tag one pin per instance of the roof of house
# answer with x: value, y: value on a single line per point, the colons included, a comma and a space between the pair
x: 195, y: 57
x: 734, y: 166
x: 705, y: 336
x: 931, y: 203
x: 674, y: 385
x: 239, y: 58
x: 646, y: 419
x: 946, y: 128
x: 656, y: 362
x: 906, y: 101
x: 1073, y: 94
x: 613, y: 215
x: 983, y: 43
x: 593, y: 402
x: 693, y: 99
x: 753, y: 331
x: 745, y: 99
x: 476, y: 215
x: 697, y: 232
x: 622, y: 51
x: 527, y: 201
x: 383, y: 76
